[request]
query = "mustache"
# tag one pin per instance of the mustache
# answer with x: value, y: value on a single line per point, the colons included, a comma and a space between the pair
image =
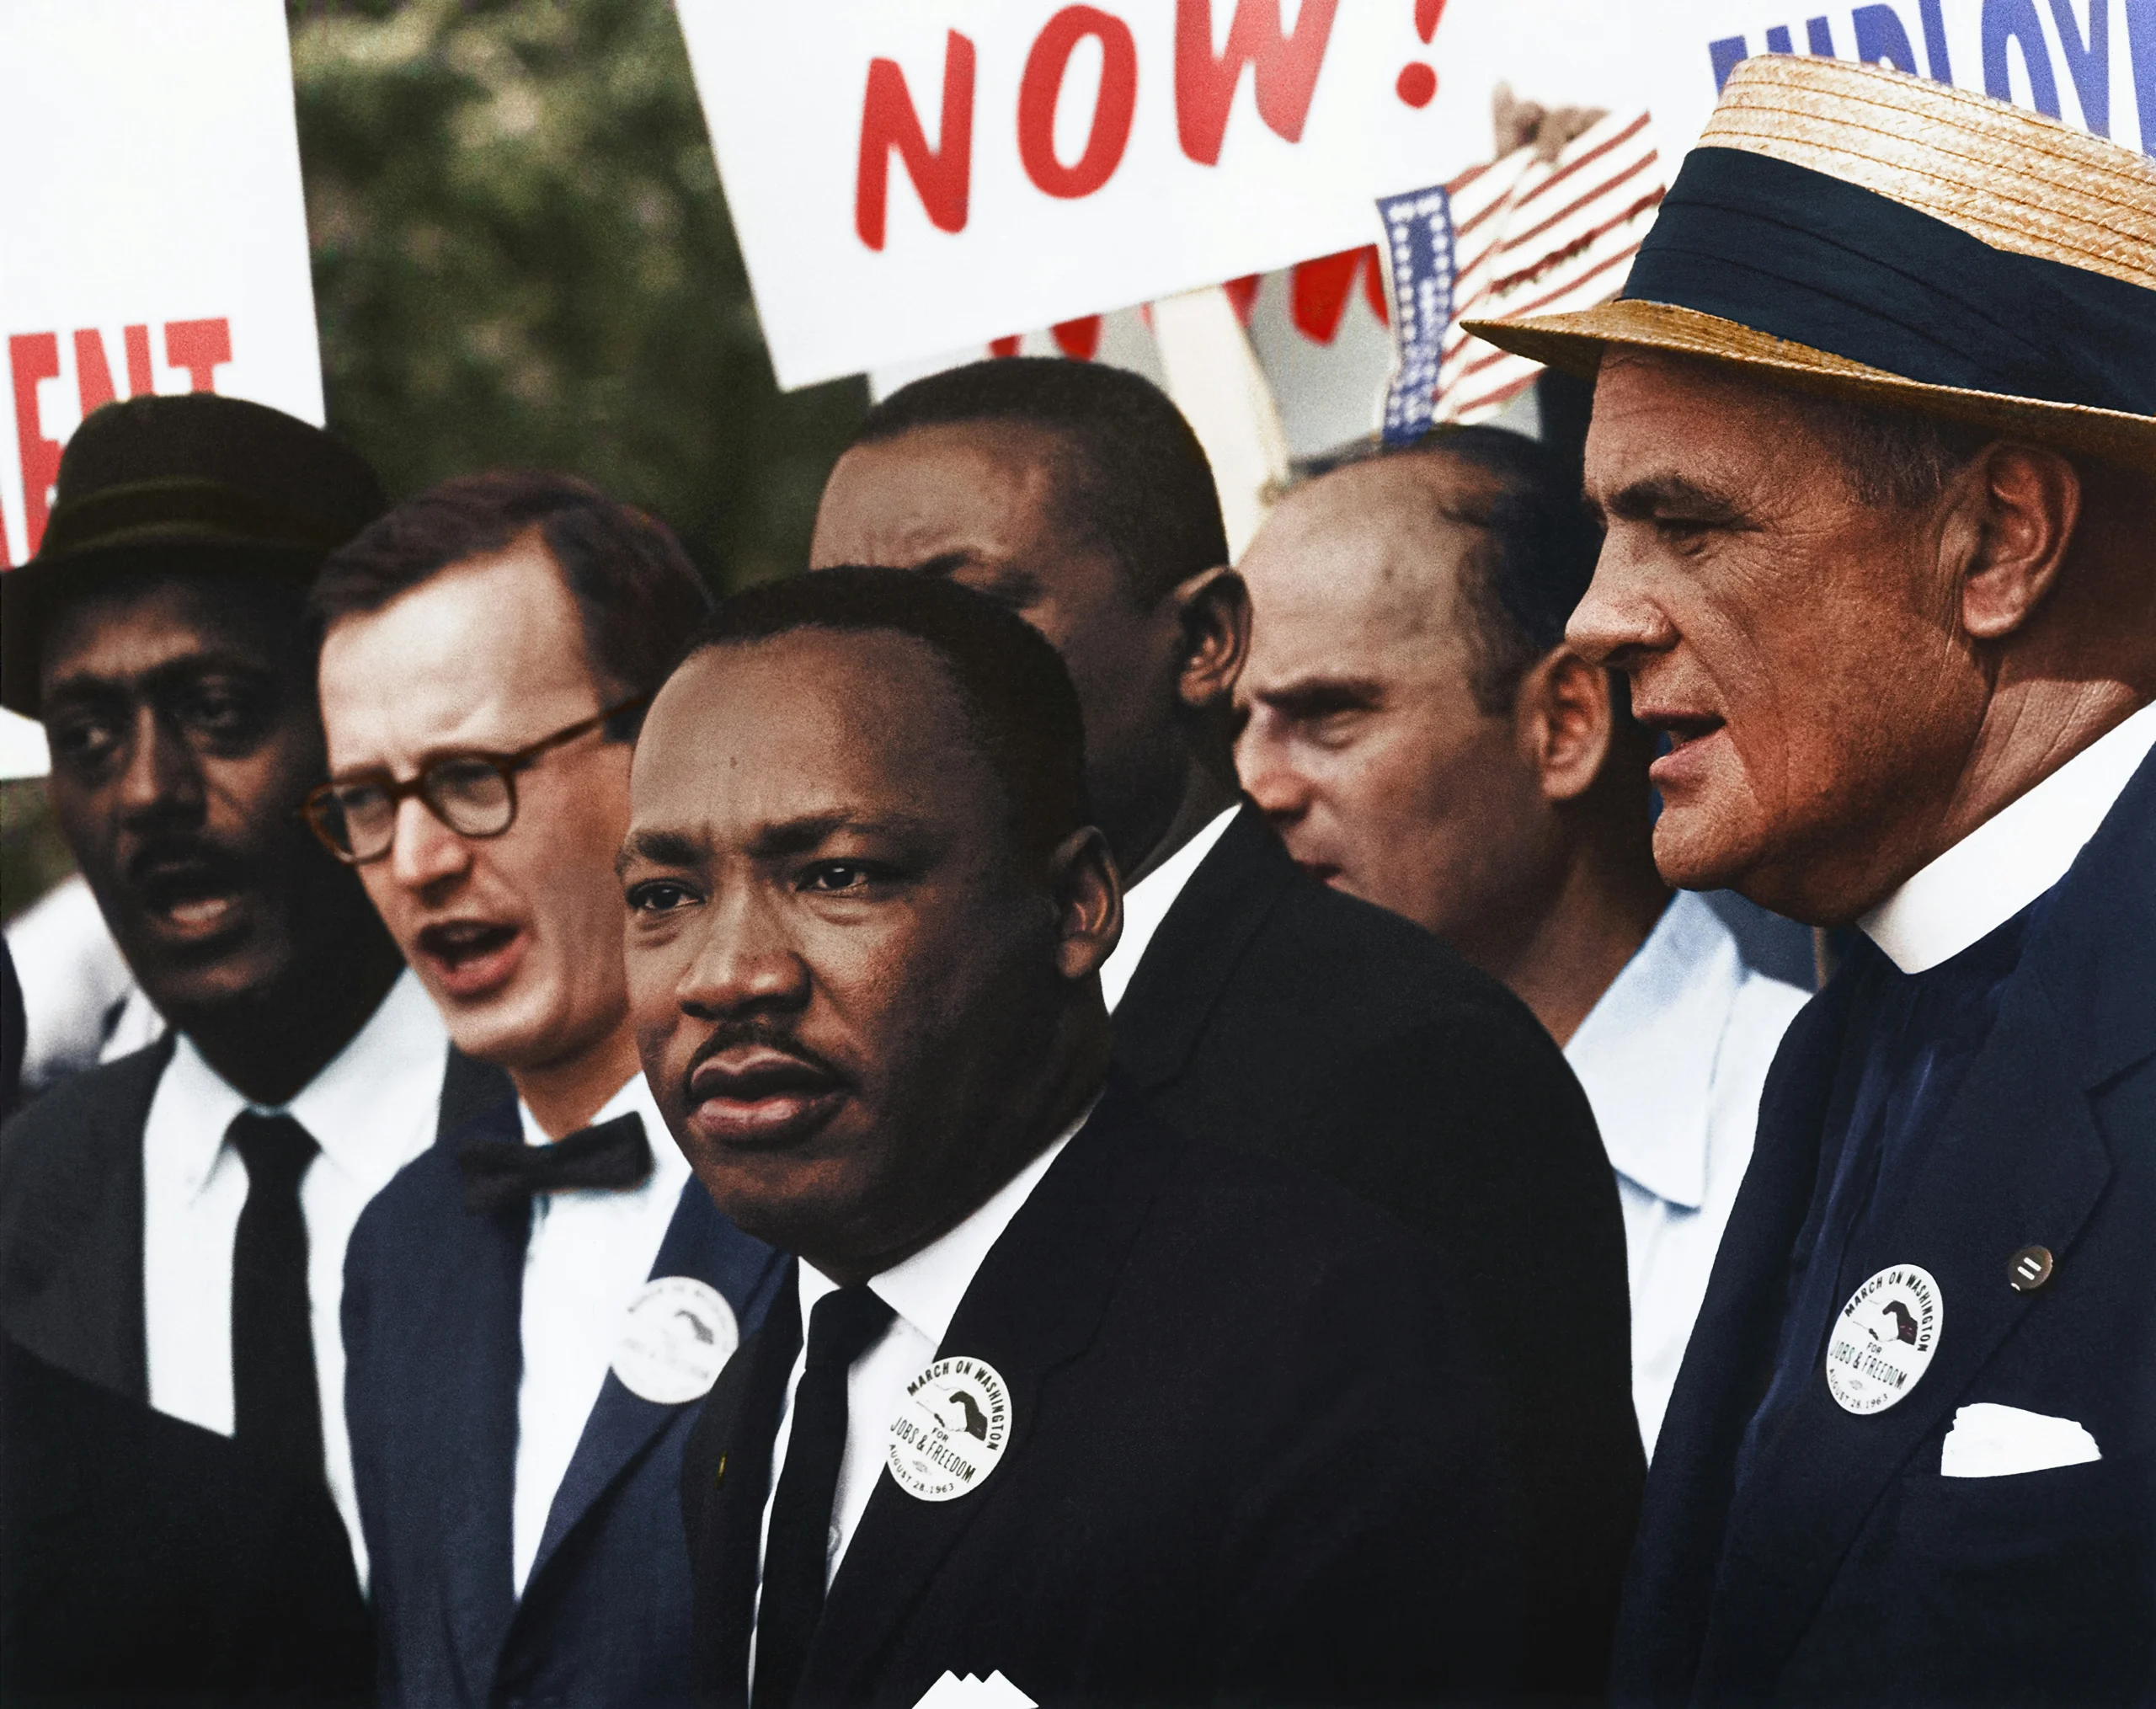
x: 198, y: 861
x: 770, y: 1035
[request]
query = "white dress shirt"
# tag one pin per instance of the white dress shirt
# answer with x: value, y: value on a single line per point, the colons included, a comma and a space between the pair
x: 1146, y: 903
x: 372, y: 1110
x: 1673, y: 1058
x: 923, y: 1294
x: 2013, y: 857
x: 589, y: 1253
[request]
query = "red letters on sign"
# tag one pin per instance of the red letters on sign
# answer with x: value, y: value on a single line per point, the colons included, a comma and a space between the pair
x: 942, y: 175
x: 137, y: 340
x: 32, y: 357
x: 92, y: 376
x: 201, y: 347
x: 1287, y: 67
x: 1078, y: 337
x: 1113, y: 108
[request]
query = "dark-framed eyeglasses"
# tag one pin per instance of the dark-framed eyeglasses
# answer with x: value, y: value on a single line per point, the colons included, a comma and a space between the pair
x: 471, y: 791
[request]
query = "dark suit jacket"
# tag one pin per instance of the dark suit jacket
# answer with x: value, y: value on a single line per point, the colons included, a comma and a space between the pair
x: 150, y: 1554
x: 433, y: 1303
x: 145, y: 1558
x: 1850, y: 1570
x: 1274, y: 1013
x: 1249, y: 1459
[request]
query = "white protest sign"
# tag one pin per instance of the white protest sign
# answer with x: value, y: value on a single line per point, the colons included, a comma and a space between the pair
x: 2091, y: 63
x: 909, y: 177
x: 153, y: 233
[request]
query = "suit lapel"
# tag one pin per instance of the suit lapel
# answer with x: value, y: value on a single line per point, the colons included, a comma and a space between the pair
x: 1192, y: 955
x: 479, y: 1346
x: 1035, y: 1305
x: 700, y: 1242
x: 2019, y: 1160
x: 84, y: 1238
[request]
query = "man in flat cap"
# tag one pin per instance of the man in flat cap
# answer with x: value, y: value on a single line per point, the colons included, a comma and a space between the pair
x: 1875, y: 439
x: 174, y: 1466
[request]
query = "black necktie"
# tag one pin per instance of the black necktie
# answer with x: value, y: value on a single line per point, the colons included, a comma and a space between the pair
x: 276, y: 1405
x: 614, y: 1154
x: 844, y: 1326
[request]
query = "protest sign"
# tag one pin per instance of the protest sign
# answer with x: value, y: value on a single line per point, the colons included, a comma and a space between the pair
x: 909, y: 180
x: 2091, y: 63
x: 155, y: 237
x: 152, y: 234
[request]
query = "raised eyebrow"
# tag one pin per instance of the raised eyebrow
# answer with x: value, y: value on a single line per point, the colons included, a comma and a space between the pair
x: 660, y: 848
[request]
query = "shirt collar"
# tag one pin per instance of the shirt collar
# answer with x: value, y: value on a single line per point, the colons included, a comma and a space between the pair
x: 1146, y: 903
x: 925, y: 1289
x: 1646, y: 1053
x: 386, y: 1082
x: 670, y: 1165
x: 2013, y: 857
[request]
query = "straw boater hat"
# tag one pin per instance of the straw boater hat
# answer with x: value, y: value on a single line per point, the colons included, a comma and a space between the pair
x: 1873, y: 236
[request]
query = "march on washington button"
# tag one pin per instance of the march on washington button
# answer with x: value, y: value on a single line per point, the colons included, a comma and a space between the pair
x: 1884, y: 1340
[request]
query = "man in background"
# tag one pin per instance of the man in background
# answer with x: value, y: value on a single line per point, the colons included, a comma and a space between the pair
x: 1421, y: 737
x: 174, y: 1224
x: 534, y: 1306
x: 1254, y: 1006
x: 1058, y: 1397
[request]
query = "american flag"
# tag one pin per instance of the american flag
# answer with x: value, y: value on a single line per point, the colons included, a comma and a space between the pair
x: 1537, y: 237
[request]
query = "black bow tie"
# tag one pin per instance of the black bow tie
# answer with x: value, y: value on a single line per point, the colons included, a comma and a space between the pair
x: 614, y: 1154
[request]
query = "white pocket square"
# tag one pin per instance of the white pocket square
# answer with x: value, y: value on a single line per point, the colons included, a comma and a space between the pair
x: 953, y: 1691
x: 1988, y: 1440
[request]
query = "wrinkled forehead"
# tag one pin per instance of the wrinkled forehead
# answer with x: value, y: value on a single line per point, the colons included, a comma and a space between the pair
x: 134, y: 624
x: 812, y: 724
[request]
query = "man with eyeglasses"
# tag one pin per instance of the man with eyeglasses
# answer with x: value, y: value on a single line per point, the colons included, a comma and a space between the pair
x: 532, y: 1308
x: 175, y: 1485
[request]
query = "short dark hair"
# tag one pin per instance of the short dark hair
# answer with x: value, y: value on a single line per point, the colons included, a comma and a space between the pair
x: 1017, y: 693
x: 1139, y: 481
x: 1537, y: 552
x: 1894, y: 459
x: 636, y: 591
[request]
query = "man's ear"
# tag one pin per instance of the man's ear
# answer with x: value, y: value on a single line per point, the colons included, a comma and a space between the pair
x: 2011, y: 517
x: 1088, y: 893
x: 1563, y: 722
x: 1213, y: 609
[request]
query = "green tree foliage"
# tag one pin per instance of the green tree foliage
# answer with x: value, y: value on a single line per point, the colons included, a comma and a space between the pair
x: 522, y: 257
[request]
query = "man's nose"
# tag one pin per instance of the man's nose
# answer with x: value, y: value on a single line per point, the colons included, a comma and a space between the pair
x: 1269, y: 774
x: 1617, y: 621
x: 744, y: 961
x: 423, y: 851
x: 163, y: 775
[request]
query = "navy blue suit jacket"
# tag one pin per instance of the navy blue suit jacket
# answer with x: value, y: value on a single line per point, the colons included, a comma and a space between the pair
x: 1849, y: 1570
x: 433, y: 1298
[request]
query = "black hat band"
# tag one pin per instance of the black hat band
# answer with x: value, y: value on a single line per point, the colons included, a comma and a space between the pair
x: 1804, y: 256
x: 182, y: 507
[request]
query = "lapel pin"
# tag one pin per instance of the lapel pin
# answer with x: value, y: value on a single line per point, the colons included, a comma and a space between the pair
x: 718, y: 1477
x: 951, y: 1430
x: 1884, y: 1340
x: 2028, y: 1269
x: 676, y: 1336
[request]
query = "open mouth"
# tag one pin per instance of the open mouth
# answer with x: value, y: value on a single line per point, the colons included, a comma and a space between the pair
x: 1686, y: 733
x: 758, y: 1094
x: 191, y: 897
x: 470, y: 958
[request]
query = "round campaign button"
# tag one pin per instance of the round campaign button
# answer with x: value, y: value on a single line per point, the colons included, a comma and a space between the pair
x: 677, y: 1337
x: 1884, y: 1339
x: 951, y: 1430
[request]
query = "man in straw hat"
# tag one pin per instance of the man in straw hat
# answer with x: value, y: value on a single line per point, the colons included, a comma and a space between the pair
x: 1875, y: 440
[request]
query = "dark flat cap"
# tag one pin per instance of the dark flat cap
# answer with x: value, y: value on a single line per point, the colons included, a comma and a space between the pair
x: 195, y: 483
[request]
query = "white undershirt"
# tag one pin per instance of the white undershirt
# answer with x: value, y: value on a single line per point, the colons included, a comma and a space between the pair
x: 924, y: 1293
x: 373, y: 1110
x: 589, y: 1253
x: 2013, y: 857
x: 1146, y: 903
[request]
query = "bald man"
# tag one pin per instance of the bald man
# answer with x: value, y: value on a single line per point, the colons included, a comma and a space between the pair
x: 1422, y: 739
